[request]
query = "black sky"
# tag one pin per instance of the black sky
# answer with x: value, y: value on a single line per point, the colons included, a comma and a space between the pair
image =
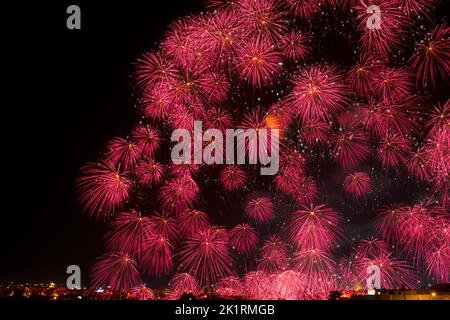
x: 67, y: 94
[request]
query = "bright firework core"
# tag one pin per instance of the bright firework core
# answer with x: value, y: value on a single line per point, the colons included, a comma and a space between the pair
x: 357, y: 128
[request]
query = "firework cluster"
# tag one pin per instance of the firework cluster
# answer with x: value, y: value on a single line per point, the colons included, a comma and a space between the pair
x: 260, y: 64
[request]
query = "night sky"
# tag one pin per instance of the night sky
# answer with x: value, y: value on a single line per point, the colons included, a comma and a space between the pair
x: 68, y: 94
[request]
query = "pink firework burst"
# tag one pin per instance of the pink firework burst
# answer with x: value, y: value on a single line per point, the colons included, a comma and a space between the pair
x: 257, y: 285
x: 273, y: 255
x: 142, y: 292
x: 215, y: 86
x: 438, y: 263
x: 388, y: 222
x: 223, y: 39
x: 315, y: 131
x: 230, y: 287
x: 258, y: 62
x: 292, y: 160
x: 305, y: 190
x: 222, y: 5
x: 184, y: 283
x: 147, y: 140
x: 417, y: 230
x: 149, y: 172
x: 395, y: 273
x: 415, y: 7
x: 439, y: 119
x: 431, y: 60
x: 385, y: 39
x: 304, y: 8
x: 260, y: 209
x: 158, y: 101
x: 262, y: 17
x: 116, y: 271
x: 233, y: 177
x: 351, y: 147
x: 416, y: 164
x: 103, y: 189
x: 359, y: 184
x: 286, y: 285
x: 319, y: 92
x: 314, y: 263
x: 157, y: 256
x: 296, y: 45
x: 361, y: 75
x: 371, y: 248
x: 393, y: 84
x: 402, y: 117
x: 178, y: 194
x: 123, y: 153
x: 286, y: 180
x: 314, y: 227
x: 278, y: 116
x: 243, y: 238
x: 165, y: 225
x: 152, y: 68
x: 192, y: 222
x: 128, y: 232
x: 393, y: 150
x: 218, y: 118
x: 206, y: 256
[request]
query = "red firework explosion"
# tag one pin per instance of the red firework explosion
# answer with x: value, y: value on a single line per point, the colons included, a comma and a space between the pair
x: 128, y: 232
x: 393, y: 150
x: 258, y: 62
x: 192, y: 222
x: 304, y: 8
x: 315, y: 131
x: 318, y: 93
x: 147, y: 140
x: 122, y: 153
x: 243, y: 238
x: 166, y: 226
x: 431, y: 60
x: 273, y: 255
x: 371, y: 248
x: 361, y: 75
x: 184, y: 283
x: 117, y: 271
x: 262, y: 17
x: 392, y: 25
x: 351, y: 147
x: 207, y: 256
x: 296, y: 45
x: 157, y: 256
x: 179, y: 194
x: 233, y: 177
x: 393, y: 84
x: 314, y: 227
x: 260, y: 209
x: 142, y: 292
x: 358, y: 184
x: 103, y: 189
x: 149, y: 172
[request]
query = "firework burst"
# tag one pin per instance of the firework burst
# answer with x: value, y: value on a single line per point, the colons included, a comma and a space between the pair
x: 358, y: 184
x: 103, y: 189
x: 260, y: 209
x: 243, y: 238
x: 206, y: 255
x: 116, y: 271
x: 318, y: 93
